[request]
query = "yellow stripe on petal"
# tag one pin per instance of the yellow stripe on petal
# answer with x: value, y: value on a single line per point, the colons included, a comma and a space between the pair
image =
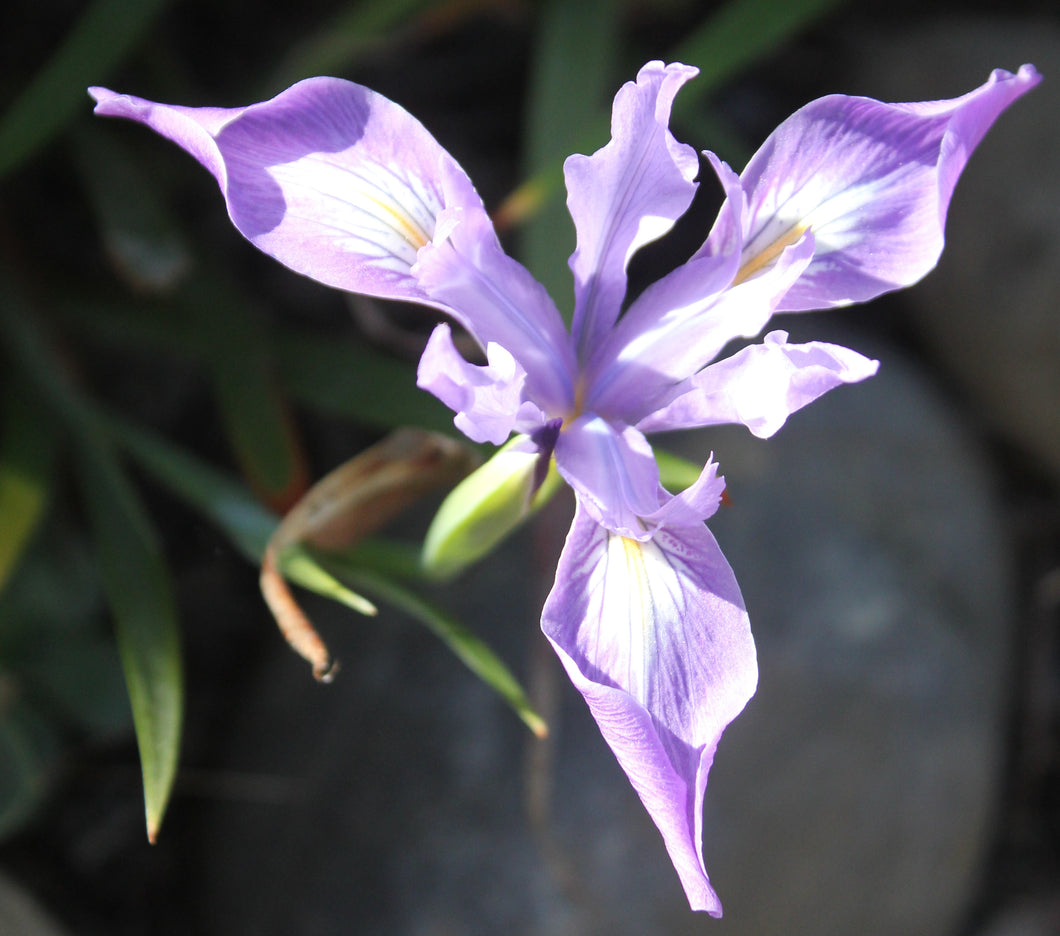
x: 759, y: 260
x: 367, y: 208
x: 642, y: 592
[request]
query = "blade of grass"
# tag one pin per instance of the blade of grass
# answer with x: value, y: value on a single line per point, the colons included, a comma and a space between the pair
x: 142, y: 241
x: 224, y: 325
x: 302, y: 568
x: 370, y: 566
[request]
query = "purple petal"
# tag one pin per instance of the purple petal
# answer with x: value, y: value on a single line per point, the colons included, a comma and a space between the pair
x: 872, y: 181
x: 655, y: 637
x: 613, y: 472
x: 685, y: 319
x: 487, y: 400
x: 762, y: 385
x: 694, y: 504
x: 328, y: 177
x: 494, y: 297
x: 625, y: 195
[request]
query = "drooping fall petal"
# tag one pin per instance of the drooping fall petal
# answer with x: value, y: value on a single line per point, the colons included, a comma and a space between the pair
x: 872, y: 181
x: 333, y: 180
x: 655, y: 636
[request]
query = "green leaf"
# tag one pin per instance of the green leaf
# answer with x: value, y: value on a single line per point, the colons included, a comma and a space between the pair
x: 351, y: 380
x: 570, y: 85
x: 140, y: 238
x: 220, y: 497
x: 140, y: 595
x: 28, y: 746
x: 472, y: 652
x: 371, y: 566
x: 301, y: 567
x: 50, y: 640
x: 227, y: 331
x: 28, y: 443
x: 736, y: 36
x: 106, y: 32
x: 358, y: 28
x: 134, y: 576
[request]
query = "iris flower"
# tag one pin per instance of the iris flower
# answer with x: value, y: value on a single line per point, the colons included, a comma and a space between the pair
x: 846, y: 200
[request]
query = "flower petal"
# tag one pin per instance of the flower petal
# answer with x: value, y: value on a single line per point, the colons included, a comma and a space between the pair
x: 761, y: 385
x: 655, y: 637
x: 625, y: 195
x: 612, y: 470
x: 495, y: 298
x: 330, y: 178
x: 694, y: 504
x: 872, y: 181
x: 487, y: 399
x: 683, y: 321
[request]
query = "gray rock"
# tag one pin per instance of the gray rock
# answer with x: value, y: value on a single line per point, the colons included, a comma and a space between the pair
x: 992, y: 310
x: 1027, y: 916
x: 851, y: 797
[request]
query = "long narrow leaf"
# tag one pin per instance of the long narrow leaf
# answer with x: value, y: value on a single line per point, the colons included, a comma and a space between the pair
x: 133, y: 572
x: 357, y: 28
x: 220, y: 497
x: 572, y: 74
x: 140, y: 595
x: 237, y: 350
x: 471, y: 651
x: 349, y: 379
x: 728, y: 41
x: 370, y: 566
x: 100, y: 39
x: 736, y: 36
x: 140, y: 237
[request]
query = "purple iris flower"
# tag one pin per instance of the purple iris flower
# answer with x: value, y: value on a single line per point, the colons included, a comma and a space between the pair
x: 846, y: 200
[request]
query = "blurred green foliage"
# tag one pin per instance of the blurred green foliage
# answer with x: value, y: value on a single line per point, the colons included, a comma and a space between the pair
x: 102, y: 276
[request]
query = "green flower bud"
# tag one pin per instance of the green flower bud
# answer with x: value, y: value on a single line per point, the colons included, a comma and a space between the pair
x: 485, y: 507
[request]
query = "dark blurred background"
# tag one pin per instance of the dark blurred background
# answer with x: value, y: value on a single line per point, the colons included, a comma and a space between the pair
x: 898, y: 543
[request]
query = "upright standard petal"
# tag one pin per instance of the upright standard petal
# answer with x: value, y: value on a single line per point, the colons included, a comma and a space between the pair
x: 681, y: 323
x: 625, y: 195
x: 655, y: 637
x: 330, y: 178
x: 872, y: 181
